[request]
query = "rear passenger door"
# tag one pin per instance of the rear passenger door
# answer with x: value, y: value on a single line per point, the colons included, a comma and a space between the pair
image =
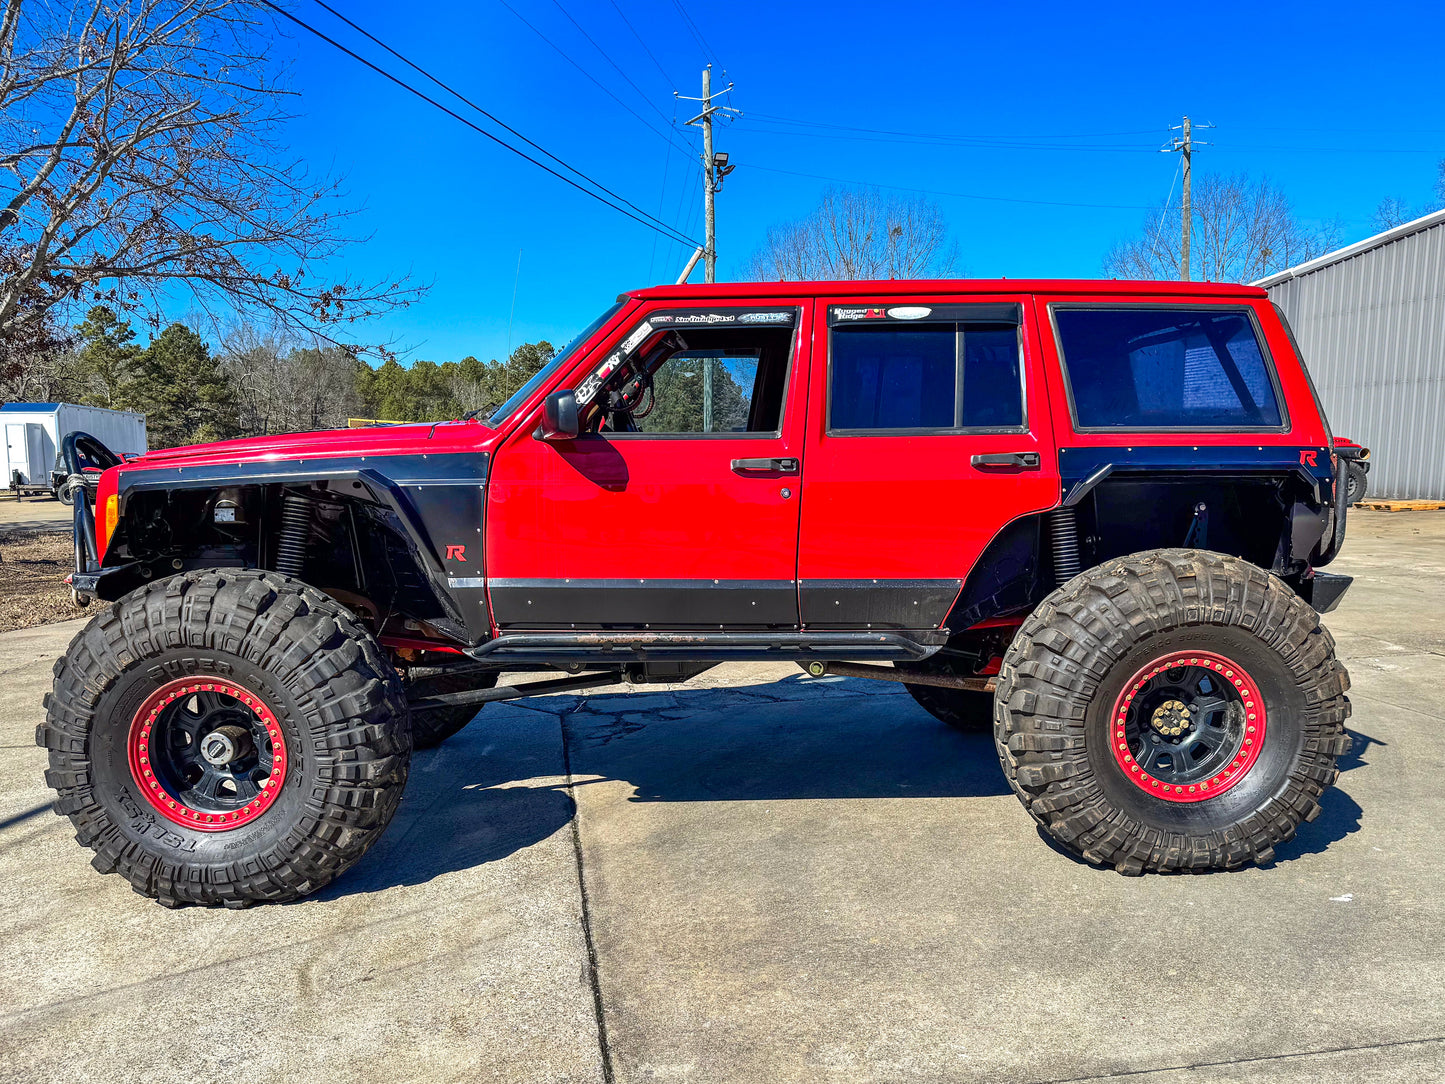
x: 928, y: 432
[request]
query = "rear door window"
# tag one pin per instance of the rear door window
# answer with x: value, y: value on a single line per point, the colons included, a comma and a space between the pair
x: 1161, y: 368
x: 945, y: 368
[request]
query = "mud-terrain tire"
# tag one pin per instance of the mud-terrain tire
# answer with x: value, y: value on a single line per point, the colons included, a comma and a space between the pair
x: 325, y: 756
x: 1066, y: 726
x: 1356, y: 483
x: 430, y: 728
x: 962, y: 709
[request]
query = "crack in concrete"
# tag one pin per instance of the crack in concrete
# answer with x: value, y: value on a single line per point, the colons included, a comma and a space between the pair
x: 593, y: 974
x: 1123, y: 1074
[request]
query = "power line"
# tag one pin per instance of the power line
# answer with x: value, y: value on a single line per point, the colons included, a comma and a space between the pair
x: 957, y: 195
x: 490, y: 116
x: 991, y: 138
x: 696, y: 32
x: 642, y: 42
x: 920, y: 139
x: 607, y: 57
x: 670, y: 231
x: 563, y: 54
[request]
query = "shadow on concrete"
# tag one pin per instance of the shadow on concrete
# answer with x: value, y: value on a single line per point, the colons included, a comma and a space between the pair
x: 463, y: 806
x: 468, y: 803
x: 25, y: 815
x: 780, y: 742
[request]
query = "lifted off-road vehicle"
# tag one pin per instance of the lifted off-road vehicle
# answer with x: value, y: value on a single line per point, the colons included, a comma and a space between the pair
x: 1085, y: 517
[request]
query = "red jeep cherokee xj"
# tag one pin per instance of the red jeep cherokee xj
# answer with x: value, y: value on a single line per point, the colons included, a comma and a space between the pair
x: 1086, y: 516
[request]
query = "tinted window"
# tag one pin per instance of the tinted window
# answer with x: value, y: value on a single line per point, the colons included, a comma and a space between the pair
x: 933, y: 376
x: 1156, y: 369
x: 992, y: 390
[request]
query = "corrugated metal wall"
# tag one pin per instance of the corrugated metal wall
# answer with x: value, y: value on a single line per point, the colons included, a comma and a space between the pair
x: 1372, y: 330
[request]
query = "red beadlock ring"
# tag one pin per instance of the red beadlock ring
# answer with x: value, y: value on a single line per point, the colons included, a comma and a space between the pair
x: 138, y: 745
x: 1244, y: 691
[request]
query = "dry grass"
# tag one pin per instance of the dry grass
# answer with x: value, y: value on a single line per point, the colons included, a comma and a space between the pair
x: 33, y: 568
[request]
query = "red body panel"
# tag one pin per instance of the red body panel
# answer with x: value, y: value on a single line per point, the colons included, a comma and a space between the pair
x: 891, y: 507
x: 1305, y: 426
x: 633, y: 506
x: 913, y: 506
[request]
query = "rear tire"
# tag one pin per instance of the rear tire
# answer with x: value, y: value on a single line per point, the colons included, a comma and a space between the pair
x: 430, y: 728
x: 1356, y: 484
x: 962, y: 709
x: 315, y: 750
x: 1072, y: 740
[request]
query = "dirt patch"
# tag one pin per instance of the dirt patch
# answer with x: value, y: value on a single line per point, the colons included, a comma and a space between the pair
x: 33, y: 568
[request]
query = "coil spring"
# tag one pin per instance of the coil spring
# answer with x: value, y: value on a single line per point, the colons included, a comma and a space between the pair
x: 295, y: 533
x: 1064, y: 544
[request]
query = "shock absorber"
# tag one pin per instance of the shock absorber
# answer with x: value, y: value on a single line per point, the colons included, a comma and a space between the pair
x: 295, y: 533
x: 1064, y: 544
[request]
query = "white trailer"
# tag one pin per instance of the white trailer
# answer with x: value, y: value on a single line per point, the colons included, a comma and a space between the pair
x: 33, y: 432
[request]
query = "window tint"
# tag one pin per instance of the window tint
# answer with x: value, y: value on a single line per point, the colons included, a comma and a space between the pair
x: 701, y: 392
x: 992, y: 390
x: 931, y: 376
x: 1156, y: 369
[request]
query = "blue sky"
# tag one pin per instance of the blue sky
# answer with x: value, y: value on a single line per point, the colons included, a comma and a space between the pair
x: 1054, y: 103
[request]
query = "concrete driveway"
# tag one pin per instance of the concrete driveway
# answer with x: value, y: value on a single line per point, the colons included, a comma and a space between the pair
x: 765, y: 881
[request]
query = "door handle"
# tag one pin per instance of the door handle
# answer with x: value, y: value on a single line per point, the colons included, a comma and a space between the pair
x: 1015, y: 460
x: 773, y: 466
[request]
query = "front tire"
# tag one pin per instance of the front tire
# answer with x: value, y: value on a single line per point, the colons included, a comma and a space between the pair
x: 226, y: 737
x: 1172, y: 710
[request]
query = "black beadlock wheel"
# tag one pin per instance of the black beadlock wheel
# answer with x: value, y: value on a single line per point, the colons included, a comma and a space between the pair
x: 1172, y: 710
x: 226, y: 737
x: 430, y: 728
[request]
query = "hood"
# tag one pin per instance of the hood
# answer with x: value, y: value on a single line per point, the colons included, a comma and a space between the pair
x: 470, y: 436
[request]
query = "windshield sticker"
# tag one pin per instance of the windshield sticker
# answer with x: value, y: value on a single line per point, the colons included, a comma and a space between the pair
x: 588, y: 389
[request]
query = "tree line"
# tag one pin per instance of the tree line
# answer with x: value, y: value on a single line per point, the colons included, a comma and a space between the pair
x: 257, y: 383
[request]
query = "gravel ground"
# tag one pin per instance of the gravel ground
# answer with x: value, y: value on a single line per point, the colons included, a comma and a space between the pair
x: 33, y: 568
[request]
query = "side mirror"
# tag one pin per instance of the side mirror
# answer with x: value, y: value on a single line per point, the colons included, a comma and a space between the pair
x: 559, y: 417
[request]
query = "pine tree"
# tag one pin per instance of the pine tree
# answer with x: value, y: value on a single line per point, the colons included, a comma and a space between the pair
x: 185, y: 394
x: 106, y: 360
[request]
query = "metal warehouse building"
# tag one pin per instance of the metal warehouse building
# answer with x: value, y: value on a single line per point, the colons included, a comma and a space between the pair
x: 1370, y: 320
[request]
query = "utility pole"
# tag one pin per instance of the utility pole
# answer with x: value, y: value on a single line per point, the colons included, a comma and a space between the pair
x: 1185, y: 144
x: 714, y: 168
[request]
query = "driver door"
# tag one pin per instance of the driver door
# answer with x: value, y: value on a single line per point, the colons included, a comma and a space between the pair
x: 678, y: 505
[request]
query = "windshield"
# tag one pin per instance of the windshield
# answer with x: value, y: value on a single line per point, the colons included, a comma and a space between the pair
x: 543, y: 374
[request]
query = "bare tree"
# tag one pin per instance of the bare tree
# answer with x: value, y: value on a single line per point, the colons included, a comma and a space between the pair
x: 1394, y: 211
x: 139, y: 154
x: 1242, y: 230
x: 858, y: 234
x: 283, y: 387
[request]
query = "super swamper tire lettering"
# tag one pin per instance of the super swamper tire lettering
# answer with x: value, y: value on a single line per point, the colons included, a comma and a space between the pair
x: 226, y: 737
x: 1109, y: 683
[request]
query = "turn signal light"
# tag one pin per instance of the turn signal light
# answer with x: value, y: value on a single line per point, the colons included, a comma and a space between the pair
x: 109, y: 516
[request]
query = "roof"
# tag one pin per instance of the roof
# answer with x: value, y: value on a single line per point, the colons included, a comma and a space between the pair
x: 30, y: 408
x: 1390, y: 236
x: 885, y: 287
